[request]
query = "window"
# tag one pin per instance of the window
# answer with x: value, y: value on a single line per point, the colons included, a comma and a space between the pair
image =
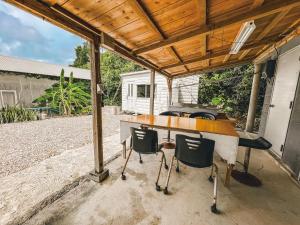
x: 130, y: 90
x: 143, y: 91
x: 8, y: 98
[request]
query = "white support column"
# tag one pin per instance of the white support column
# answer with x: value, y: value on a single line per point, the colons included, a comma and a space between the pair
x: 169, y: 83
x: 99, y: 174
x: 152, y: 92
x: 252, y: 109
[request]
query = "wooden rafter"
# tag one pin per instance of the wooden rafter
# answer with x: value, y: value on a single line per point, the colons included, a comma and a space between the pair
x: 256, y: 3
x: 267, y: 29
x: 147, y: 18
x: 201, y: 7
x: 260, y: 58
x: 263, y: 11
x: 218, y: 66
x: 68, y: 21
x: 223, y: 52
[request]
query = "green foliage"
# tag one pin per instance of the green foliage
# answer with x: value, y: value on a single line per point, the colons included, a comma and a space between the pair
x: 229, y: 90
x: 112, y: 65
x: 67, y: 96
x: 82, y: 56
x: 12, y: 114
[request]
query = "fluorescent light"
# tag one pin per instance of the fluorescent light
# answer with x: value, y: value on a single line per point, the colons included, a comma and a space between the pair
x: 244, y: 33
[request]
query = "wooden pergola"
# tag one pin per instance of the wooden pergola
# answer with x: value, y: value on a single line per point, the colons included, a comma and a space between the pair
x: 172, y: 37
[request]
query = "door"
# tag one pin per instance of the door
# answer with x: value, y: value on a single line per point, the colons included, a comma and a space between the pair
x: 282, y: 98
x: 291, y: 152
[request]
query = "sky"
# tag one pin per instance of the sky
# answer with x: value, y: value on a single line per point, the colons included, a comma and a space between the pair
x: 26, y: 36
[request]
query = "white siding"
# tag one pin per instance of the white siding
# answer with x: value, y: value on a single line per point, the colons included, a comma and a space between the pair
x: 187, y: 94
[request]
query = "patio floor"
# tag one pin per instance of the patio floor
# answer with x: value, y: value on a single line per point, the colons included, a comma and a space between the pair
x: 135, y: 201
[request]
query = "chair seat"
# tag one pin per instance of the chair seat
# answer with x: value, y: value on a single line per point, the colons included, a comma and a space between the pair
x: 259, y: 143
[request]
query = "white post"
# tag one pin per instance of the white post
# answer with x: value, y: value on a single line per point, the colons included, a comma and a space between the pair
x: 169, y: 83
x: 152, y: 91
x: 252, y: 109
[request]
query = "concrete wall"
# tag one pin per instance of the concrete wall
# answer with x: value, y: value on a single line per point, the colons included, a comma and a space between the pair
x: 26, y: 88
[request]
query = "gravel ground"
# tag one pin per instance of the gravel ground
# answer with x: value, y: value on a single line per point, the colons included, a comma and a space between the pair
x: 23, y: 145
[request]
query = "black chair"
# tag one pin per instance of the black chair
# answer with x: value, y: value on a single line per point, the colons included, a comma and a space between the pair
x: 243, y: 176
x: 144, y: 141
x: 168, y: 144
x: 196, y: 152
x: 203, y: 115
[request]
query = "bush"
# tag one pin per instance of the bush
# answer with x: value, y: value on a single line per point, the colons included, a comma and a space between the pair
x: 66, y: 96
x: 13, y: 114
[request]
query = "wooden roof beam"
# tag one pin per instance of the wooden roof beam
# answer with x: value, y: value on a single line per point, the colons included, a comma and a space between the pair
x: 264, y: 55
x: 221, y: 53
x: 267, y: 29
x: 214, y: 68
x: 147, y: 18
x: 46, y: 13
x: 256, y: 4
x: 263, y: 11
x: 66, y: 20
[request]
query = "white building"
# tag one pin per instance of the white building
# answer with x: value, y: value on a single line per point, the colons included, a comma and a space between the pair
x: 280, y: 120
x: 136, y: 92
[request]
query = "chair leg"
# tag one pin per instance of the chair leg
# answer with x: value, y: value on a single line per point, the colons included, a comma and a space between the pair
x: 168, y: 177
x: 165, y: 160
x: 177, y: 166
x: 141, y: 161
x: 214, y: 205
x: 123, y: 176
x: 156, y: 183
x: 210, y: 178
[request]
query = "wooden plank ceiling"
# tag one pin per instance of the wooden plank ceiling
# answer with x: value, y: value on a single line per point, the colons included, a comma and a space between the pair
x: 177, y: 37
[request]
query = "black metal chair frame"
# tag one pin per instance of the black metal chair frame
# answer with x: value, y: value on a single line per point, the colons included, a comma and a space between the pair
x: 203, y: 115
x: 145, y: 141
x: 185, y: 152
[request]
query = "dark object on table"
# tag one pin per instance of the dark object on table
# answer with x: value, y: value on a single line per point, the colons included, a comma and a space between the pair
x: 243, y: 176
x: 203, y: 115
x: 198, y: 153
x: 145, y: 141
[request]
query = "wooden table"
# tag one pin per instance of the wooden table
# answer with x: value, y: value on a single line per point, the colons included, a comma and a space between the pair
x: 222, y: 132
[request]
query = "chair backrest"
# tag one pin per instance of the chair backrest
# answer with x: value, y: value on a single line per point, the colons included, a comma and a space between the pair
x: 195, y: 152
x: 144, y: 140
x: 203, y: 115
x: 170, y: 113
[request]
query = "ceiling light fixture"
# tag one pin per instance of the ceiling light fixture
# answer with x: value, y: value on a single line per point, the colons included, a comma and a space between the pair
x: 244, y: 33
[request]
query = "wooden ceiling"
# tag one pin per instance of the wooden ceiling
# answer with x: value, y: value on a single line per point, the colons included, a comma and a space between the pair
x: 174, y: 37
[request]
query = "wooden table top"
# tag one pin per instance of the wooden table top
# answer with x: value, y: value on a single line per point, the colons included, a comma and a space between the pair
x: 184, y: 124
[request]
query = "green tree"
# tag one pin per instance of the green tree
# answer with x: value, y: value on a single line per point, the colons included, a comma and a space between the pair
x: 82, y: 59
x: 112, y: 65
x: 66, y: 96
x: 230, y: 91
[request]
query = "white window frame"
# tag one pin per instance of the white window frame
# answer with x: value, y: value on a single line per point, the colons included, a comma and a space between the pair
x: 7, y: 91
x: 129, y: 90
x: 146, y: 89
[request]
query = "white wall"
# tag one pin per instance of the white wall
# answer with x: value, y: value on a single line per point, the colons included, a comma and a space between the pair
x: 187, y: 94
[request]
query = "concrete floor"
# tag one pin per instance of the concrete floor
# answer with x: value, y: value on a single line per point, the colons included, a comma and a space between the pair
x: 135, y: 201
